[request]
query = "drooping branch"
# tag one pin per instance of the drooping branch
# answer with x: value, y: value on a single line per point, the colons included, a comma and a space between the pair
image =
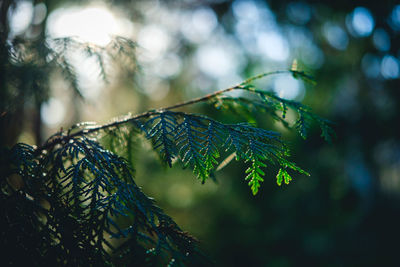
x: 63, y: 137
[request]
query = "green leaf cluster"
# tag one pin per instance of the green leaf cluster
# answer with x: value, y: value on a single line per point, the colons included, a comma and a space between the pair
x: 197, y: 141
x: 86, y: 210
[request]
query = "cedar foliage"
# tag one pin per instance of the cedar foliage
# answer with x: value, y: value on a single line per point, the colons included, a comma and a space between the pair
x: 74, y: 200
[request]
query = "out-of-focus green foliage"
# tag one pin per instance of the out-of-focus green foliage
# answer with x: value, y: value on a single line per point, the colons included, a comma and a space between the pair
x: 346, y: 213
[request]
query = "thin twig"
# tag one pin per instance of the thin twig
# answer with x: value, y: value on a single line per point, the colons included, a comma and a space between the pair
x: 62, y: 138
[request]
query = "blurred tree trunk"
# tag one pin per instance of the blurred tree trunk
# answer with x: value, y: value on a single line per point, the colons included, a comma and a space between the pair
x: 10, y: 120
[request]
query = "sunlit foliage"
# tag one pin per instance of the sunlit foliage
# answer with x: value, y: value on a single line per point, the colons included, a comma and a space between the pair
x: 74, y: 200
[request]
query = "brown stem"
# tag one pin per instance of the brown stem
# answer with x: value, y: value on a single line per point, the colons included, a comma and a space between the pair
x: 65, y: 138
x: 201, y: 99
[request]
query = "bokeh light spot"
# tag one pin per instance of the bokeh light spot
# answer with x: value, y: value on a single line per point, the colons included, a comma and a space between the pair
x: 199, y: 24
x: 335, y: 36
x: 288, y: 87
x: 91, y: 24
x: 215, y: 61
x: 394, y: 19
x: 245, y: 9
x: 154, y: 40
x: 40, y: 12
x: 273, y: 45
x: 362, y: 22
x: 168, y: 67
x: 52, y: 112
x: 390, y: 67
x: 21, y: 17
x: 381, y: 40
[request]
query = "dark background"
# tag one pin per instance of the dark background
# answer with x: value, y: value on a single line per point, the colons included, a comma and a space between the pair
x: 347, y: 213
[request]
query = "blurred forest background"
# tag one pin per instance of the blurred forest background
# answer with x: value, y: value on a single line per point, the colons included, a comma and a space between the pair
x: 346, y: 214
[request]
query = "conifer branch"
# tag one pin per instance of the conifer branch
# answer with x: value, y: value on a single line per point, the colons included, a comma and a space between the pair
x: 245, y: 85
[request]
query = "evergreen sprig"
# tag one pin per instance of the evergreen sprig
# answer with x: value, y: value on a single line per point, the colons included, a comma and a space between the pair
x: 197, y: 141
x: 163, y: 128
x: 82, y: 191
x: 305, y: 116
x: 32, y: 61
x: 190, y: 137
